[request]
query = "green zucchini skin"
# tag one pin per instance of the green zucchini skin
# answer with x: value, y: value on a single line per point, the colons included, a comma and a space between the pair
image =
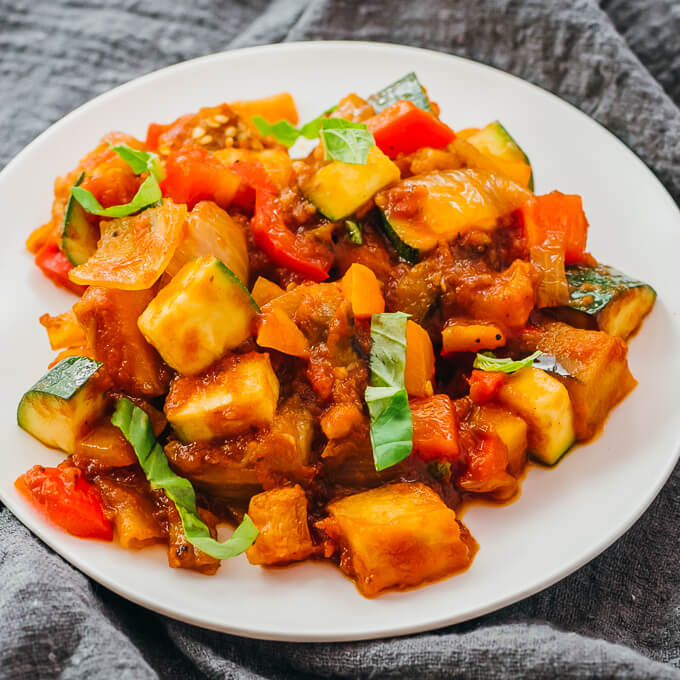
x: 63, y: 402
x: 78, y: 236
x: 408, y: 87
x: 603, y: 297
x: 495, y: 137
x: 404, y: 250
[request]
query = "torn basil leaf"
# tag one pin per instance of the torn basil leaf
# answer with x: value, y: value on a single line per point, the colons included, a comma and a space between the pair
x: 386, y: 397
x: 136, y: 427
x: 148, y: 193
x: 487, y: 361
x: 345, y: 141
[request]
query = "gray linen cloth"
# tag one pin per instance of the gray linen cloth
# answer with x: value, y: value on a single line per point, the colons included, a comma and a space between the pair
x: 617, y: 60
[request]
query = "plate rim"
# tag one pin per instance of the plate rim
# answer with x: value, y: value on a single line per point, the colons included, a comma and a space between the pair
x: 40, y: 529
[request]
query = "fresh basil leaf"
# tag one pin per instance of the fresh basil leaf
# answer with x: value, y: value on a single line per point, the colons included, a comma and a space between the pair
x: 386, y: 397
x: 354, y: 232
x: 140, y: 161
x: 148, y: 193
x: 286, y: 133
x: 548, y: 362
x: 345, y: 141
x: 487, y: 361
x: 135, y: 425
x: 282, y: 131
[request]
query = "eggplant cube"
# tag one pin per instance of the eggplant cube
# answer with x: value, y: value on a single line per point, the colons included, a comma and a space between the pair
x: 281, y: 517
x: 396, y: 536
x: 236, y: 394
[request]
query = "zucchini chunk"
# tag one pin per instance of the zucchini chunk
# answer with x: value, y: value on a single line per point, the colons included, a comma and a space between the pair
x: 597, y: 365
x: 78, y: 235
x: 495, y: 141
x: 64, y: 403
x: 201, y: 314
x: 439, y: 206
x: 236, y: 394
x: 602, y: 298
x: 338, y: 189
x: 543, y: 402
x: 396, y: 536
x: 281, y: 518
x: 408, y: 87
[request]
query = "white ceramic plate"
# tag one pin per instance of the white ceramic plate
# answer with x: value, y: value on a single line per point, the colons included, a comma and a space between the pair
x: 564, y: 517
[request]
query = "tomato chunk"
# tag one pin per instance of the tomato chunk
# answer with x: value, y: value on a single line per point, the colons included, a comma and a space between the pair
x: 68, y: 499
x: 486, y: 469
x: 193, y: 175
x: 405, y: 128
x: 435, y: 428
x: 484, y: 385
x: 556, y: 214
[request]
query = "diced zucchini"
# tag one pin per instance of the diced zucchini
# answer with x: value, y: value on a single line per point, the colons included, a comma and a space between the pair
x: 235, y: 395
x: 439, y: 206
x: 78, y: 235
x: 339, y: 189
x: 396, y: 536
x: 408, y: 88
x: 201, y: 314
x: 544, y: 403
x: 596, y: 363
x: 63, y: 403
x: 495, y: 141
x: 603, y: 298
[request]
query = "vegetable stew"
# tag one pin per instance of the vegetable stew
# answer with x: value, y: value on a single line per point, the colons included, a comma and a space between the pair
x: 330, y: 351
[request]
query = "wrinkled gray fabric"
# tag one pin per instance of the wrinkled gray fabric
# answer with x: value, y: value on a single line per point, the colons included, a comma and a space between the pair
x: 619, y: 61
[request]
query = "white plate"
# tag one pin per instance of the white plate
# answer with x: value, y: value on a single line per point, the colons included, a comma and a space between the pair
x: 564, y: 517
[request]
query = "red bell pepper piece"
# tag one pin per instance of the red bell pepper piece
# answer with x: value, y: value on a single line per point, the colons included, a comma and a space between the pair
x: 560, y: 214
x: 435, y: 428
x: 272, y: 236
x: 405, y: 128
x: 484, y: 385
x: 68, y: 499
x: 56, y: 266
x: 193, y: 175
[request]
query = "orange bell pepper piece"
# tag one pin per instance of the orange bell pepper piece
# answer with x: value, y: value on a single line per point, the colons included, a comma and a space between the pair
x: 470, y: 336
x: 419, y: 371
x: 361, y: 287
x: 277, y: 107
x: 278, y: 331
x: 265, y: 291
x: 558, y: 213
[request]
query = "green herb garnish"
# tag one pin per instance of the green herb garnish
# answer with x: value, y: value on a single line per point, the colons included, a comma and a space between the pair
x: 345, y: 141
x: 354, y: 232
x: 342, y: 140
x: 386, y: 397
x: 148, y: 193
x: 487, y: 361
x: 135, y: 425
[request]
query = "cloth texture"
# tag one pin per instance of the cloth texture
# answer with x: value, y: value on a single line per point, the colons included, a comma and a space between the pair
x: 617, y: 60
